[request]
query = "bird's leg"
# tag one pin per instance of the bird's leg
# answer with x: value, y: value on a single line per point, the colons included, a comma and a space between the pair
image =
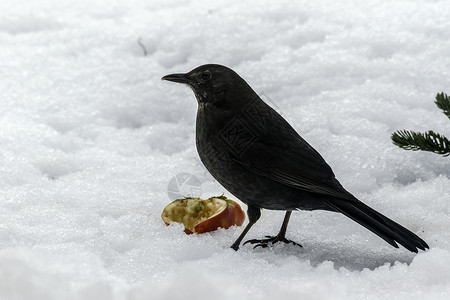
x: 280, y: 237
x: 253, y: 215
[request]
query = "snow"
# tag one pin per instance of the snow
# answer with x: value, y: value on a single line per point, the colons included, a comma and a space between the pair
x: 90, y: 138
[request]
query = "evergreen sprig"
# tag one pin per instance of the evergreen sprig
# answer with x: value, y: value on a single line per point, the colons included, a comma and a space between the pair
x: 443, y: 102
x: 429, y: 141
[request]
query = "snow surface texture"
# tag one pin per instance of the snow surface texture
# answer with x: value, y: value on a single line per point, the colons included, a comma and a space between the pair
x: 90, y: 137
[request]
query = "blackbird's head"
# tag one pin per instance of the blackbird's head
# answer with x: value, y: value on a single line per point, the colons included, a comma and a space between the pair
x: 213, y: 84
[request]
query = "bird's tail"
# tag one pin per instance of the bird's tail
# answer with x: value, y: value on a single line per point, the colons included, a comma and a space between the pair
x: 382, y: 226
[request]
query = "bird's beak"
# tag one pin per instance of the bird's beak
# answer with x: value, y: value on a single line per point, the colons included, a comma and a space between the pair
x: 180, y: 78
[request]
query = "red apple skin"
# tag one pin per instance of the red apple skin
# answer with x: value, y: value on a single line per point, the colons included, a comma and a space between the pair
x: 232, y: 215
x: 186, y: 230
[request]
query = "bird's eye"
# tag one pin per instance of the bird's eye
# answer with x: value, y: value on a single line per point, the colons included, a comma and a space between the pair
x: 206, y: 75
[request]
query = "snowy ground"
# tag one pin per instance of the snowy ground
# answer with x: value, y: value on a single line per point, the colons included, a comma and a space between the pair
x: 90, y: 137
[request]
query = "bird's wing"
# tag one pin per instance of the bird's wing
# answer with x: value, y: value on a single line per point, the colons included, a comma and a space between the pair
x: 285, y: 157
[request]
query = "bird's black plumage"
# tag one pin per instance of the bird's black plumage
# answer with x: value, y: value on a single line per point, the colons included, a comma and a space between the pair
x: 257, y: 156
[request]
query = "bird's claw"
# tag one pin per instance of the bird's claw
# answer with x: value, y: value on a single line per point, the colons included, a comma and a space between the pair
x: 264, y: 243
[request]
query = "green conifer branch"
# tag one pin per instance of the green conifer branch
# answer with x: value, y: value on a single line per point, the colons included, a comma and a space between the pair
x: 443, y: 102
x: 429, y: 141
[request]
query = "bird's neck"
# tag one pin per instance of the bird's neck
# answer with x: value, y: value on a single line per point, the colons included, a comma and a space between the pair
x: 209, y: 114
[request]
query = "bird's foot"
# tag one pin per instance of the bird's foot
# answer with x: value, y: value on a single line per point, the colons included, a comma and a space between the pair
x: 264, y: 243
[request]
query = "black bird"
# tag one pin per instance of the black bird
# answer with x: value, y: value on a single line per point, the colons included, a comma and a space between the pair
x: 258, y: 157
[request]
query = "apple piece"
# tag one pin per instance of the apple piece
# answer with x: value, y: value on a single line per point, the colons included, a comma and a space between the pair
x: 200, y: 216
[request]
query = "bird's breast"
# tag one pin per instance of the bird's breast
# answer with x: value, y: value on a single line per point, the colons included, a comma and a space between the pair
x: 219, y: 142
x: 220, y: 137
